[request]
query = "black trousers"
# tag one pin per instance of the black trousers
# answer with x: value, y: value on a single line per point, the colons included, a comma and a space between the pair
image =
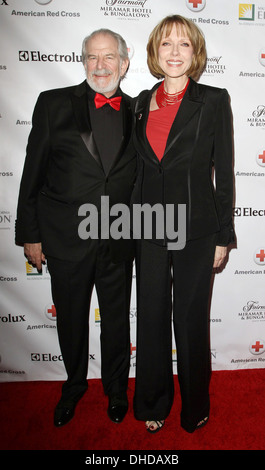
x: 72, y: 285
x: 188, y: 273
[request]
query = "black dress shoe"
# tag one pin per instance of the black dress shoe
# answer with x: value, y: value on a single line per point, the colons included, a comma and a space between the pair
x: 117, y: 409
x: 63, y: 413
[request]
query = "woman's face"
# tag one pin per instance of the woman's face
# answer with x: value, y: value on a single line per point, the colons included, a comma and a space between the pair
x: 175, y: 53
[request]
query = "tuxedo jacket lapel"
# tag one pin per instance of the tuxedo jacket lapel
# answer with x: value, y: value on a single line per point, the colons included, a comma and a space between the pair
x: 142, y: 112
x: 191, y: 104
x: 81, y: 113
x: 127, y: 127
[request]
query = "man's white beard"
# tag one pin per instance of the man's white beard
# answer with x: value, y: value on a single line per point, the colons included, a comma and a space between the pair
x: 112, y: 85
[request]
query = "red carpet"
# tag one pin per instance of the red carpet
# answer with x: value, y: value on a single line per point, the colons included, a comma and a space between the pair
x: 237, y: 420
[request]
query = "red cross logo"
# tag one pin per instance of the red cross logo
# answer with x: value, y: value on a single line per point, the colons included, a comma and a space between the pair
x: 133, y: 348
x: 257, y: 346
x: 263, y: 56
x: 195, y: 3
x: 261, y: 256
x: 262, y: 155
x: 52, y: 310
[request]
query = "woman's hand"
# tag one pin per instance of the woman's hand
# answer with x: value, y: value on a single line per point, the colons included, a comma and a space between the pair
x: 220, y: 255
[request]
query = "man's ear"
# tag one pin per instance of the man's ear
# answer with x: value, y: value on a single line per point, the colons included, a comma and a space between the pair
x: 124, y: 67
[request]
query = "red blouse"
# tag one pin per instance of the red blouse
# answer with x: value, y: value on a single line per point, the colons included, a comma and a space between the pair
x: 158, y: 126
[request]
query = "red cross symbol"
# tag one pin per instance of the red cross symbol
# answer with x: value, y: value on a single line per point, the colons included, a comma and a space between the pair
x: 262, y: 56
x: 195, y: 3
x: 52, y: 310
x: 133, y: 348
x: 261, y: 256
x: 262, y: 155
x: 257, y: 346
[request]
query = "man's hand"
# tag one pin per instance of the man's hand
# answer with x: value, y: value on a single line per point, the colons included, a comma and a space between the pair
x: 33, y: 252
x: 220, y: 255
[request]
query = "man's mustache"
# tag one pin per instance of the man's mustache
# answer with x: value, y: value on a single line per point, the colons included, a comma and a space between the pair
x: 101, y: 72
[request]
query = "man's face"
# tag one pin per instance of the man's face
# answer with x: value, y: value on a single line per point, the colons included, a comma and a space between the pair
x: 103, y: 64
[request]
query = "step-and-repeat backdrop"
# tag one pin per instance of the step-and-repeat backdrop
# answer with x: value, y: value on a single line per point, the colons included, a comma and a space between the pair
x: 41, y: 49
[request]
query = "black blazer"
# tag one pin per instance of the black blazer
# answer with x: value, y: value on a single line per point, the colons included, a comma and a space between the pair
x: 63, y: 170
x: 200, y: 139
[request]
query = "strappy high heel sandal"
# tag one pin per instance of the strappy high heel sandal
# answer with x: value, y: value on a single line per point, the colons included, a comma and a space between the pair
x: 154, y: 426
x: 202, y: 422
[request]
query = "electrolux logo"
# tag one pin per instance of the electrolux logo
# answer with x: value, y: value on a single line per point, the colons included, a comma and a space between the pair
x: 12, y: 318
x: 248, y: 212
x: 45, y: 357
x: 37, y: 56
x: 49, y: 357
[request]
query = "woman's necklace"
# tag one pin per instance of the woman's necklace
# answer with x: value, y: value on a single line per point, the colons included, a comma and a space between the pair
x: 166, y: 99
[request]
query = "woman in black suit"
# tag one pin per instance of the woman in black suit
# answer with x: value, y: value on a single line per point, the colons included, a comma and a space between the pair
x: 183, y: 132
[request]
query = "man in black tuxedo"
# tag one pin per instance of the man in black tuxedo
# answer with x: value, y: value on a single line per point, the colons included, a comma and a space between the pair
x: 79, y: 150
